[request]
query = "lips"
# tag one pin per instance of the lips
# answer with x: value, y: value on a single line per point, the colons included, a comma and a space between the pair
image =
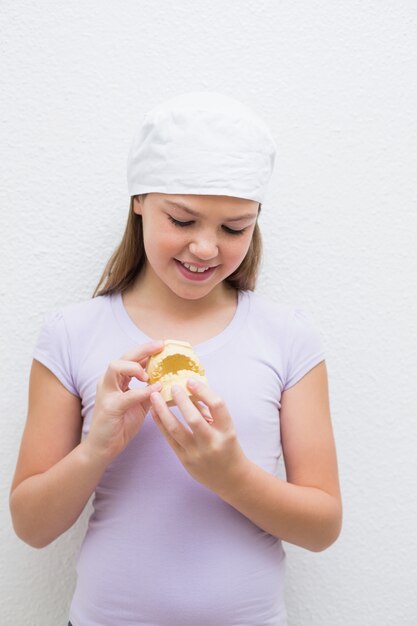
x: 195, y: 268
x: 196, y: 275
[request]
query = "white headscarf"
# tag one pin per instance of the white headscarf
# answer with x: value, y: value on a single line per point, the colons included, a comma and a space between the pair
x: 202, y: 143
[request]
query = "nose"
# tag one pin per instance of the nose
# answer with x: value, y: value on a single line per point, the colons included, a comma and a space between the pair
x: 204, y: 247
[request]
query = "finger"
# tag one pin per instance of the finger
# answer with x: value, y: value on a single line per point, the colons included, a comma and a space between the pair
x: 137, y: 359
x: 203, y: 410
x: 178, y: 449
x: 215, y: 404
x: 119, y: 373
x: 174, y: 427
x: 190, y: 412
x: 143, y: 351
x: 141, y: 396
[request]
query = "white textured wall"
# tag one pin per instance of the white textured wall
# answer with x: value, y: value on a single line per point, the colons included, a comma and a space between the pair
x: 336, y: 82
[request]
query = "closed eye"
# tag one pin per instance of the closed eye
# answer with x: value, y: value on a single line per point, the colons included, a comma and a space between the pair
x: 230, y: 231
x: 179, y: 223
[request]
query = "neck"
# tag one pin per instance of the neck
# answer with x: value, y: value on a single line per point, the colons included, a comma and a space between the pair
x: 151, y: 293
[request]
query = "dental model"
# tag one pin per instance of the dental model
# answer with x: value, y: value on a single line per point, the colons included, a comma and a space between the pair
x: 174, y: 365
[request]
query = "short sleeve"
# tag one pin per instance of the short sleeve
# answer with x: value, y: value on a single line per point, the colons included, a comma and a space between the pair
x: 53, y: 349
x: 305, y: 349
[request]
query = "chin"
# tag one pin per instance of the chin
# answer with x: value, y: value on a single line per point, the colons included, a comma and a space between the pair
x: 191, y: 296
x: 193, y: 293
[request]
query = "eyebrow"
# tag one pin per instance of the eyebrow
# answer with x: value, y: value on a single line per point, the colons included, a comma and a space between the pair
x: 195, y: 214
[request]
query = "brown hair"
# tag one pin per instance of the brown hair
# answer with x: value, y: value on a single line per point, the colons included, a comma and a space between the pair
x: 129, y: 258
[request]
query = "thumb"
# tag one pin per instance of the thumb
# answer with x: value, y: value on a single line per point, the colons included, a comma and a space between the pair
x: 136, y: 396
x: 217, y: 409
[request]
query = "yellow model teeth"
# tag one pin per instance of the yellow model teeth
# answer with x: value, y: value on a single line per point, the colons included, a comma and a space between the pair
x: 174, y: 365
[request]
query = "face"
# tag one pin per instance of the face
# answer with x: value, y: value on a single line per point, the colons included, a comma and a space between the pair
x: 194, y: 242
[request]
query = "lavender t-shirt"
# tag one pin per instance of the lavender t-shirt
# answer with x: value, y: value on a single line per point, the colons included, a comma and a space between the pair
x: 162, y: 549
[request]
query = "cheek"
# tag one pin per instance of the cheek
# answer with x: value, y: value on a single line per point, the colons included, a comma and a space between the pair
x: 239, y: 248
x: 172, y: 242
x: 157, y: 238
x: 162, y: 247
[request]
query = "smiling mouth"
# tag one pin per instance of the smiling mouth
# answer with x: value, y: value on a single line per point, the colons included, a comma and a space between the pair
x: 195, y: 273
x: 195, y: 268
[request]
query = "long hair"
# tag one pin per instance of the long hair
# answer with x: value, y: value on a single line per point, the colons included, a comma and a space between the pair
x: 129, y: 258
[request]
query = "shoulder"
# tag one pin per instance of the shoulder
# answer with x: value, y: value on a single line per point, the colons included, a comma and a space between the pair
x: 80, y: 317
x: 289, y: 320
x: 293, y: 329
x: 86, y: 309
x: 268, y: 311
x: 64, y: 336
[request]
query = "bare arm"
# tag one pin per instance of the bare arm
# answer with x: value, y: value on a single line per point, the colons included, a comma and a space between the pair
x: 306, y: 509
x: 54, y: 476
x: 56, y: 473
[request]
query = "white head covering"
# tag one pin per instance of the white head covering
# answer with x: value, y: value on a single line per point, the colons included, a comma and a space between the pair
x: 202, y: 143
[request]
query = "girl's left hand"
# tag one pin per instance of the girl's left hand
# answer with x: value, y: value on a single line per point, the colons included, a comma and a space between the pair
x: 210, y: 452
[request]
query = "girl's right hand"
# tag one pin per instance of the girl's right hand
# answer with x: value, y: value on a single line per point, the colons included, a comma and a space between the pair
x: 119, y: 411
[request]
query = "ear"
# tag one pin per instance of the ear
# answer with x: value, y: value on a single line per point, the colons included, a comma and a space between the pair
x: 137, y: 205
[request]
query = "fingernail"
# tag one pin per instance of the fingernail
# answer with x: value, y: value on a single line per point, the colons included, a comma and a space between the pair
x: 192, y: 382
x: 175, y: 388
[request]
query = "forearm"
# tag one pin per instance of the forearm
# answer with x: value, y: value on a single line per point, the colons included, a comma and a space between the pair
x: 305, y: 516
x: 45, y: 505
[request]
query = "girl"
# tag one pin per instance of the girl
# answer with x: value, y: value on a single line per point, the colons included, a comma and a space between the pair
x: 189, y: 514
